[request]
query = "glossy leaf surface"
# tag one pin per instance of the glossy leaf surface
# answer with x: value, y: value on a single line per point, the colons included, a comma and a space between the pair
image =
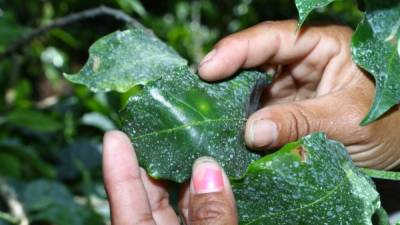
x: 312, y: 181
x: 176, y: 117
x: 376, y: 48
x: 124, y: 59
x: 179, y: 118
x: 305, y: 7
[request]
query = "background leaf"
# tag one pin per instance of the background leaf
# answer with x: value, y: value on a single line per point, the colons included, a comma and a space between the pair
x: 51, y: 202
x: 33, y: 120
x: 133, y: 6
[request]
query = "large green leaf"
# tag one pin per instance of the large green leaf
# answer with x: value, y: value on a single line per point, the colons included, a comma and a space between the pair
x: 176, y: 117
x: 312, y: 181
x: 376, y: 48
x: 124, y: 59
x: 305, y: 7
x: 179, y: 118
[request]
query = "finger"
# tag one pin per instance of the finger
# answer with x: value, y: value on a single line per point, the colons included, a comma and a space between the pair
x: 211, y: 198
x: 338, y: 114
x: 157, y: 193
x: 128, y: 200
x: 271, y: 43
x: 184, y: 196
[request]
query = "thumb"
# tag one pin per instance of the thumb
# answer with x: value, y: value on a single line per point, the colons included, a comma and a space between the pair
x: 338, y: 115
x: 211, y: 199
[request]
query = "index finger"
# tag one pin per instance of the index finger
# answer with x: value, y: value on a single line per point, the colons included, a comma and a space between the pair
x: 127, y: 195
x: 268, y: 42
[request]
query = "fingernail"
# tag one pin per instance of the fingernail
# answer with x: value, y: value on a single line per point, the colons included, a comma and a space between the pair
x: 207, y: 176
x: 208, y: 57
x: 262, y: 133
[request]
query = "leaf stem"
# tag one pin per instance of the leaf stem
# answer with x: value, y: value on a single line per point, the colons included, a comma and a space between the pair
x: 380, y: 174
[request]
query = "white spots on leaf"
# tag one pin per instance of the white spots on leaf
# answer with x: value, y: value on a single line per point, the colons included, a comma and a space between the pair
x: 120, y: 36
x: 96, y: 63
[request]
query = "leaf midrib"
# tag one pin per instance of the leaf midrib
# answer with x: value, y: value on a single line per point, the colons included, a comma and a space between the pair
x: 185, y: 126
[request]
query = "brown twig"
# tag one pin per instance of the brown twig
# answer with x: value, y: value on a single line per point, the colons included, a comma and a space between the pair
x: 72, y: 18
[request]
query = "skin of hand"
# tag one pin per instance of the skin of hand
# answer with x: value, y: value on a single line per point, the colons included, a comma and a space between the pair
x: 137, y: 199
x: 317, y: 88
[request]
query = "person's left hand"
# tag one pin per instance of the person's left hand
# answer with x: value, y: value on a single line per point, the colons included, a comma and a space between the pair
x: 135, y: 198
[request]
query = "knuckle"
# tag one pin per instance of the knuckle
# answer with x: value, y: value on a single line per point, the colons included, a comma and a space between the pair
x: 334, y: 45
x: 145, y: 219
x: 301, y: 121
x: 161, y: 204
x: 210, y: 209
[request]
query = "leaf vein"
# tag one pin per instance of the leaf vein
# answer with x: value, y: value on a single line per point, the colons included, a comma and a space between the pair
x: 182, y: 127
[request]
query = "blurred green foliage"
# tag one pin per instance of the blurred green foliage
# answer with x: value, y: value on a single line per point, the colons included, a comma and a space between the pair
x: 50, y: 131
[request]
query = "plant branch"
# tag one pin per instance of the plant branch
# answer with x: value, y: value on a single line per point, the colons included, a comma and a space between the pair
x: 17, y: 210
x: 69, y: 19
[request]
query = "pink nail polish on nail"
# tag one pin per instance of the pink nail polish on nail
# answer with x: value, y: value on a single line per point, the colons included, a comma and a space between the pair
x: 208, y: 178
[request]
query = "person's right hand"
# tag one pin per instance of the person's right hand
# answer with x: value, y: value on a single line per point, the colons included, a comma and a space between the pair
x: 319, y: 88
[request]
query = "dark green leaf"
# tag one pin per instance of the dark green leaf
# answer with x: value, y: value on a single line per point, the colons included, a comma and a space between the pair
x: 376, y: 48
x: 33, y: 120
x: 312, y: 181
x: 124, y: 59
x: 28, y: 155
x: 41, y: 194
x: 51, y: 202
x: 179, y: 118
x: 81, y: 151
x: 305, y: 7
x: 176, y: 117
x: 10, y: 31
x: 132, y: 6
x: 9, y: 165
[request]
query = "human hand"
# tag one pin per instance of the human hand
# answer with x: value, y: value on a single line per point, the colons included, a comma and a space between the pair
x: 137, y: 199
x: 319, y: 88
